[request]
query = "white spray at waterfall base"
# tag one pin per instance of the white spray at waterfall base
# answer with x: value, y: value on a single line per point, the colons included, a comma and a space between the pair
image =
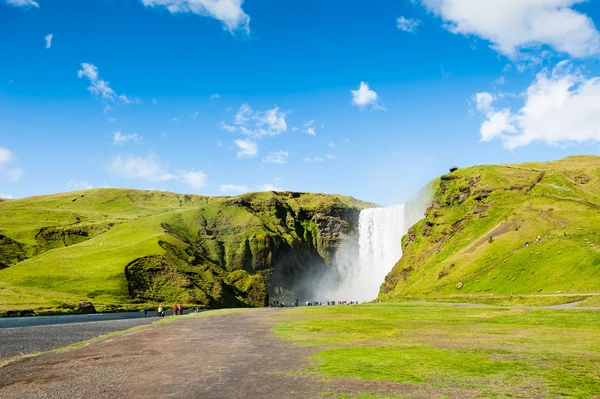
x: 380, y: 236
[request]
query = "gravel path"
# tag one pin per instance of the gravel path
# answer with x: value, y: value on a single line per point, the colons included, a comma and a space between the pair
x: 23, y: 340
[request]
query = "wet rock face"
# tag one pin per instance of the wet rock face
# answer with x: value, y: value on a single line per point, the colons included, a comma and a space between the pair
x: 86, y: 307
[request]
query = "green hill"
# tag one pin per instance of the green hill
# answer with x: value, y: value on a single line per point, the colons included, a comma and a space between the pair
x: 123, y: 249
x: 479, y: 239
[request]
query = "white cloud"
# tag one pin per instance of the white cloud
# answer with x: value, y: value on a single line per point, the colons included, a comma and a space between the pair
x: 331, y: 145
x: 193, y: 178
x: 258, y: 124
x: 268, y: 187
x: 23, y: 3
x: 6, y: 196
x: 128, y: 100
x: 8, y: 172
x: 229, y: 12
x: 144, y: 168
x: 49, y: 40
x: 111, y: 119
x: 101, y: 87
x: 229, y: 128
x: 228, y: 188
x: 194, y: 116
x: 514, y: 25
x: 407, y: 24
x: 295, y: 129
x: 5, y: 155
x: 313, y: 160
x: 150, y: 168
x: 120, y: 138
x: 560, y: 107
x: 215, y: 96
x: 310, y: 128
x: 364, y: 97
x: 279, y: 157
x: 79, y: 185
x: 248, y: 148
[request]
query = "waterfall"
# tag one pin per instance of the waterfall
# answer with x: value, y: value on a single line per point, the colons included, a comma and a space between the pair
x: 379, y: 248
x: 380, y: 236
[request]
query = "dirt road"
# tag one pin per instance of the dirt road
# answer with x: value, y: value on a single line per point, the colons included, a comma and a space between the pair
x: 221, y: 356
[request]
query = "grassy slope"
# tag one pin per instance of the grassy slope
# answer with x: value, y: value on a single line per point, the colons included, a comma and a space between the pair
x: 450, y: 252
x: 65, y: 268
x: 440, y: 351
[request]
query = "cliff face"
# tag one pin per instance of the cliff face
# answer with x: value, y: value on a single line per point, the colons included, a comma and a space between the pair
x: 116, y: 247
x: 480, y: 235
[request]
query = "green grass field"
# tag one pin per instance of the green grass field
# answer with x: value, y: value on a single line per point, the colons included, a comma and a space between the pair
x: 442, y: 351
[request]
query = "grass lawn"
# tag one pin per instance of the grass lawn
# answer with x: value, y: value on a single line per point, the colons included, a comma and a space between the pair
x: 448, y: 351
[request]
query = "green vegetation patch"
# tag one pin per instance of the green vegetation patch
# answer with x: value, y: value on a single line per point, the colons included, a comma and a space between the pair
x: 492, y: 352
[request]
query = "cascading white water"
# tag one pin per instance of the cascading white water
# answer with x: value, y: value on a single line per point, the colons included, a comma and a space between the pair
x: 380, y: 236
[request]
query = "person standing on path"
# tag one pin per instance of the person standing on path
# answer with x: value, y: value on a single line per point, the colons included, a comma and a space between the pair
x: 160, y: 311
x: 175, y: 308
x: 180, y: 307
x: 145, y: 312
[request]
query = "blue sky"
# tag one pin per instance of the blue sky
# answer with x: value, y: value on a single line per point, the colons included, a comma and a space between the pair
x: 217, y: 97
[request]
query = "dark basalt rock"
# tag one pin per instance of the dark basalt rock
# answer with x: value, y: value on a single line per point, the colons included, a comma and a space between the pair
x: 86, y: 307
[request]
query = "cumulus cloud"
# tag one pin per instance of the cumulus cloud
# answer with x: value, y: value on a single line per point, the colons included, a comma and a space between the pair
x: 8, y: 170
x: 561, y: 106
x: 268, y: 187
x: 120, y: 138
x: 309, y: 128
x: 229, y: 12
x: 364, y: 97
x: 279, y: 157
x: 247, y: 148
x: 407, y: 24
x: 313, y: 160
x: 257, y: 124
x: 147, y: 168
x: 229, y: 128
x: 514, y: 25
x: 229, y: 188
x: 5, y: 155
x: 23, y: 3
x: 100, y: 87
x: 49, y: 40
x: 150, y: 168
x: 193, y: 178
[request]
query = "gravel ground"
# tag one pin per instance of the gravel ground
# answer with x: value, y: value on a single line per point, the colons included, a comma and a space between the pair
x: 23, y: 340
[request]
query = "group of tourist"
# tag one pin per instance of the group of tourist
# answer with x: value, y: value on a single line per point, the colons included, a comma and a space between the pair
x: 331, y: 303
x: 276, y: 304
x: 177, y: 309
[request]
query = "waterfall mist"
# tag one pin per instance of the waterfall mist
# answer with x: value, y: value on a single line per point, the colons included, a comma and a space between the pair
x: 360, y: 266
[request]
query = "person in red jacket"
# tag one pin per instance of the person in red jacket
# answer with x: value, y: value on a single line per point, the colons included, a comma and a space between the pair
x: 175, y: 308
